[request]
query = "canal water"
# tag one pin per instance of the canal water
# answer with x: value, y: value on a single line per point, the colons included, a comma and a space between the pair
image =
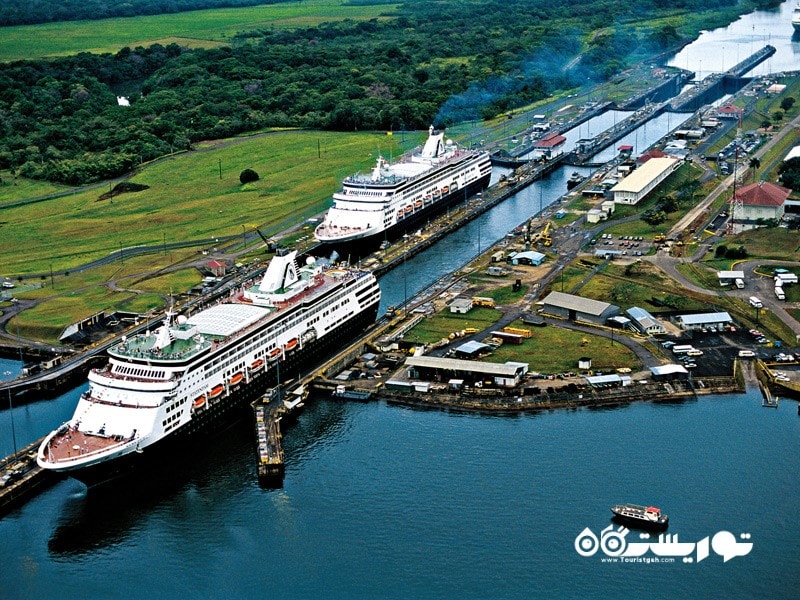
x: 387, y: 502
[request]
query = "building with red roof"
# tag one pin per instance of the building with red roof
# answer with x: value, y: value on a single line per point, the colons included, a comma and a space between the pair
x: 760, y: 202
x: 654, y: 153
x: 549, y: 146
x: 729, y: 111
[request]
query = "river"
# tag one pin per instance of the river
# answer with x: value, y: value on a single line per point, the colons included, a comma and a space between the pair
x: 387, y: 502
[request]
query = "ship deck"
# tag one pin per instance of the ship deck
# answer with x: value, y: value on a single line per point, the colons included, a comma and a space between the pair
x: 74, y: 443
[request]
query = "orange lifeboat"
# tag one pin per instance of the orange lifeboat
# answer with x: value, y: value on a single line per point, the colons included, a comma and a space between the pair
x: 199, y: 401
x: 409, y: 208
x: 400, y: 214
x: 236, y: 379
x: 445, y: 189
x: 274, y: 353
x: 291, y: 344
x: 418, y: 204
x: 256, y: 365
x: 216, y: 391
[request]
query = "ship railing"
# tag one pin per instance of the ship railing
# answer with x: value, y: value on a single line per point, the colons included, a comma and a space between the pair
x: 106, y: 372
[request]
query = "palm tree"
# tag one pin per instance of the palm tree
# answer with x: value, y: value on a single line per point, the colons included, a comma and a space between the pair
x: 754, y: 164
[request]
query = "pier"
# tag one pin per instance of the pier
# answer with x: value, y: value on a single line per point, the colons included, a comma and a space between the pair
x: 25, y: 477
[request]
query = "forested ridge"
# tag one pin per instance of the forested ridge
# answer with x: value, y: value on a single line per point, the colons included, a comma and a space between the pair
x: 438, y: 62
x: 28, y: 12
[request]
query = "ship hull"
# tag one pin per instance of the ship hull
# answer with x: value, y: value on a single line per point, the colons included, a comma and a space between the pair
x: 640, y: 523
x: 361, y: 247
x: 225, y: 412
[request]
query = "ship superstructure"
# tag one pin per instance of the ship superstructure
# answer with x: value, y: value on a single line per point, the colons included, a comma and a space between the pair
x: 160, y: 386
x: 395, y: 197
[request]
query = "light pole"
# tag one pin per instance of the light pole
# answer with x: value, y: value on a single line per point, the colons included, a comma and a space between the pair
x: 244, y: 238
x: 11, y: 412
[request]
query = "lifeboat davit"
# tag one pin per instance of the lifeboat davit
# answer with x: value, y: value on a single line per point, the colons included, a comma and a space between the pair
x: 256, y: 365
x: 236, y: 379
x: 199, y: 401
x: 216, y: 391
x: 291, y: 344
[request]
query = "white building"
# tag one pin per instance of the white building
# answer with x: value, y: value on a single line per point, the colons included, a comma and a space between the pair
x: 698, y: 321
x: 644, y: 179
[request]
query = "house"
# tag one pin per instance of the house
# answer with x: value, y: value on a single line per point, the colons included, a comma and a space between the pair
x: 729, y: 111
x: 217, y: 267
x: 644, y: 321
x: 760, y: 202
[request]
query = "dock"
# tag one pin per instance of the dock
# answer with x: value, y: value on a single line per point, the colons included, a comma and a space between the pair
x: 25, y: 477
x: 271, y: 413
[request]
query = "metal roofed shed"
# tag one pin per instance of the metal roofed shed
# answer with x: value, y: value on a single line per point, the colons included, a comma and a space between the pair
x: 608, y: 380
x: 671, y: 371
x: 471, y: 348
x: 529, y: 257
x: 577, y: 308
x: 506, y: 375
x: 698, y: 321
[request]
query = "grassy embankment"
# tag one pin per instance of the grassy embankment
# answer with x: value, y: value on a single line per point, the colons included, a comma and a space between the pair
x: 187, y: 200
x: 194, y: 29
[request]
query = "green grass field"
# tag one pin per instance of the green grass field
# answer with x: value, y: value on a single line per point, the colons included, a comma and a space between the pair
x: 195, y: 29
x: 187, y: 199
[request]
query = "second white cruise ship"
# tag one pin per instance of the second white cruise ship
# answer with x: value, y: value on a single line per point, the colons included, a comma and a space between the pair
x: 396, y: 197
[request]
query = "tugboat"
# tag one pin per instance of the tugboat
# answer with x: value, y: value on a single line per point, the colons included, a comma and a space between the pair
x: 642, y: 517
x: 574, y: 180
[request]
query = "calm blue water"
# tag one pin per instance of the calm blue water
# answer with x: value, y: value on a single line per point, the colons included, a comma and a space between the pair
x: 386, y: 502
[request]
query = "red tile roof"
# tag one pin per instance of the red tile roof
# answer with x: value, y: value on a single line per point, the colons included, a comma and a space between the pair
x: 763, y: 193
x: 550, y: 140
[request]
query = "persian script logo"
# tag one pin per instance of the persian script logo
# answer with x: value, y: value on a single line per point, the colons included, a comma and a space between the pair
x: 613, y: 544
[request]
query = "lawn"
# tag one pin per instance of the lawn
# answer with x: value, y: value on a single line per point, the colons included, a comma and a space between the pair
x: 193, y: 196
x: 194, y: 29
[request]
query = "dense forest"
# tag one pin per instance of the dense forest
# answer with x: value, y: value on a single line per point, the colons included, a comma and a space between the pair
x: 438, y: 62
x: 28, y: 12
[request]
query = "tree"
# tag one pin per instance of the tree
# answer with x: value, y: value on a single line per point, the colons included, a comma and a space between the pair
x: 248, y: 176
x: 787, y: 103
x: 755, y: 164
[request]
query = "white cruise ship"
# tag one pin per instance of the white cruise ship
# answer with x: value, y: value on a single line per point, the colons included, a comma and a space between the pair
x: 396, y: 197
x: 191, y: 374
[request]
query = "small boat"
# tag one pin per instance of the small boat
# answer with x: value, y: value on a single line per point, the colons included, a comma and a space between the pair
x: 418, y: 204
x: 408, y: 209
x: 445, y: 189
x: 199, y: 401
x: 642, y: 517
x: 236, y: 379
x: 216, y: 391
x: 291, y: 344
x: 274, y: 353
x: 256, y: 365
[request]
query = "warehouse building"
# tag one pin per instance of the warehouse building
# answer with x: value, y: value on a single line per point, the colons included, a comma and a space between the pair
x: 699, y: 321
x: 644, y: 179
x: 576, y: 308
